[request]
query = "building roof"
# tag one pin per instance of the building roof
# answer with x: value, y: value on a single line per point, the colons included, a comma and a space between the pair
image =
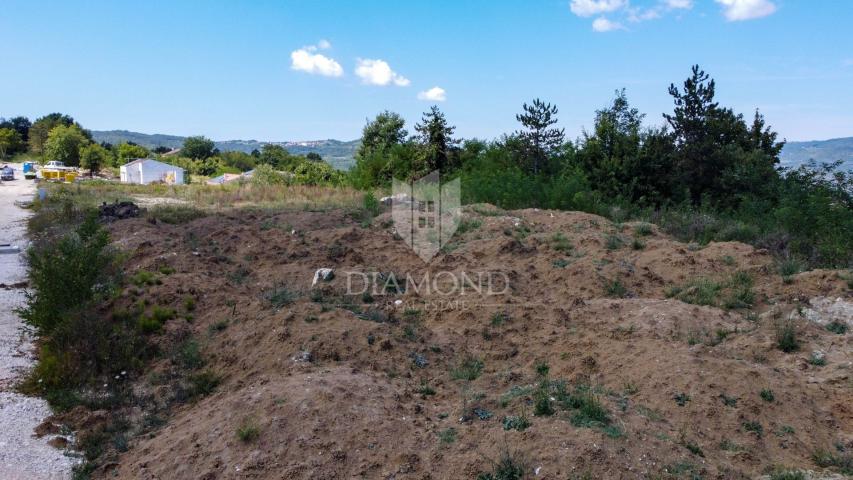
x: 150, y: 160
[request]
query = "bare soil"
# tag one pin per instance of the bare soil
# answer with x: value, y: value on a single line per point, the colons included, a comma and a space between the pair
x: 329, y: 393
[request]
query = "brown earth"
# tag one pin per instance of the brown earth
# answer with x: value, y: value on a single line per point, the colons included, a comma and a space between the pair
x: 331, y: 394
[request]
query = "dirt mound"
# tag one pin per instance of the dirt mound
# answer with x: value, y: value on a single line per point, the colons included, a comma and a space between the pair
x: 607, y: 350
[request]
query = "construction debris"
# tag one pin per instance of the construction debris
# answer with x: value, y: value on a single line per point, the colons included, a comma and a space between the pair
x: 118, y: 211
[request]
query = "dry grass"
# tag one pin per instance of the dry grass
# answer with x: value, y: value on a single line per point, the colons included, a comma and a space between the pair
x: 295, y: 197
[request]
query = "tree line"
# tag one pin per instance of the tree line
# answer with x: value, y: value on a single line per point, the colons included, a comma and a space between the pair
x: 708, y: 172
x: 58, y: 137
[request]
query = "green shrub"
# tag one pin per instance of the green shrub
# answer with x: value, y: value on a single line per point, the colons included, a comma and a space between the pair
x: 613, y: 242
x: 615, y: 289
x: 466, y: 225
x: 643, y: 229
x: 202, y: 384
x: 786, y: 337
x: 837, y: 327
x: 767, y: 395
x: 589, y: 410
x: 510, y: 466
x: 701, y: 291
x: 469, y: 369
x: 248, y: 431
x: 560, y: 243
x: 520, y: 423
x: 66, y: 274
x: 175, y: 214
x: 143, y: 277
x: 280, y: 296
x: 784, y: 474
x: 754, y: 427
x: 789, y: 267
x: 154, y: 322
x: 826, y: 459
x: 447, y: 435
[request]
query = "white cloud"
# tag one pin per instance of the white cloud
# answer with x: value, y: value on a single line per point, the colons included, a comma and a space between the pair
x: 588, y: 8
x: 378, y: 72
x: 602, y: 24
x: 737, y: 10
x: 305, y: 60
x: 434, y: 94
x: 679, y: 4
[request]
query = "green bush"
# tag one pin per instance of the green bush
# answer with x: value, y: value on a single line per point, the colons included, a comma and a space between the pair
x: 66, y: 274
x: 468, y: 369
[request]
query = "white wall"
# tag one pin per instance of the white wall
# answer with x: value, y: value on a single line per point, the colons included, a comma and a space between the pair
x: 148, y: 172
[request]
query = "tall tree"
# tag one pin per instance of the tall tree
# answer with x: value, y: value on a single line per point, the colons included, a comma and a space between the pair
x: 10, y: 140
x: 93, y: 157
x: 128, y: 151
x: 198, y: 148
x: 382, y: 133
x: 436, y: 138
x: 64, y: 143
x: 41, y: 129
x: 21, y: 125
x: 539, y: 139
x: 717, y: 155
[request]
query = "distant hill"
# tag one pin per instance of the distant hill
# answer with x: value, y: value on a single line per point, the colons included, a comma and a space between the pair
x: 797, y: 153
x: 339, y: 154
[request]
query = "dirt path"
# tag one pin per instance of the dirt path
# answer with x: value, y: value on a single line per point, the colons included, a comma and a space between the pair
x: 22, y: 455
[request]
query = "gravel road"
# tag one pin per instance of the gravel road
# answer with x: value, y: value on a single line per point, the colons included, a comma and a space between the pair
x: 22, y: 455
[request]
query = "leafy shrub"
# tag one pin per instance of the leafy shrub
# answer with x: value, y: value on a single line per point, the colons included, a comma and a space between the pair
x: 143, y: 277
x: 509, y: 467
x: 66, y: 274
x: 202, y: 384
x: 837, y: 327
x: 175, y: 214
x: 615, y: 289
x: 767, y: 395
x: 447, y: 435
x: 827, y: 459
x: 519, y: 423
x: 560, y: 243
x: 469, y: 369
x: 786, y: 337
x: 590, y: 412
x: 643, y: 229
x: 701, y: 291
x: 248, y: 431
x: 279, y: 296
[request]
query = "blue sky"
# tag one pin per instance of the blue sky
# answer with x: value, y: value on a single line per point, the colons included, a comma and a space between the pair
x: 292, y: 70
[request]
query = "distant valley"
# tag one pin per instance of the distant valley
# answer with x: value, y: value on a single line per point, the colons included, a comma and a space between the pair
x: 798, y: 153
x: 340, y: 154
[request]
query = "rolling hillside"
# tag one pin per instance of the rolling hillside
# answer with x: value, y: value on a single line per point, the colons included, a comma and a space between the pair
x: 798, y: 153
x: 340, y: 153
x: 336, y: 152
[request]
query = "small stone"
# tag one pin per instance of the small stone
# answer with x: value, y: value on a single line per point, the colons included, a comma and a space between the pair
x: 324, y: 274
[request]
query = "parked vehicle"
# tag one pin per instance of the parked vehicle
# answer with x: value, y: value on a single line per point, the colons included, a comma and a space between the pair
x: 57, y: 172
x: 7, y: 174
x: 29, y: 170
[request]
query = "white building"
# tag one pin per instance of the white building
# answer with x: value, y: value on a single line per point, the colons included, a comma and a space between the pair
x: 145, y: 170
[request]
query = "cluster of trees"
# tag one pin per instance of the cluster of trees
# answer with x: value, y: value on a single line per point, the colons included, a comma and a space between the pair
x: 706, y: 160
x: 58, y: 137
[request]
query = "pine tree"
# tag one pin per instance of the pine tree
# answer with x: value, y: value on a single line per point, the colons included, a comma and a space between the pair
x: 436, y: 137
x: 540, y: 139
